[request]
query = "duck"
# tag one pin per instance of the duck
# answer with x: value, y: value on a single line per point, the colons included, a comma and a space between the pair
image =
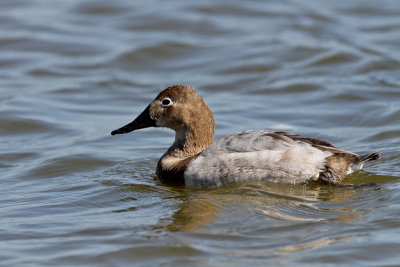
x: 194, y: 159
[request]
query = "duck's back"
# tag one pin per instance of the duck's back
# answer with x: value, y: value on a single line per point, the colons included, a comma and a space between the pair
x: 266, y: 155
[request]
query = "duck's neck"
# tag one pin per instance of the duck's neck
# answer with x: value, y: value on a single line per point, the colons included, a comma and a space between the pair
x: 190, y: 142
x: 187, y: 146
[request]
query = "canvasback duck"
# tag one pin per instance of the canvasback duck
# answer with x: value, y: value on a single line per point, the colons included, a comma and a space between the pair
x: 193, y: 159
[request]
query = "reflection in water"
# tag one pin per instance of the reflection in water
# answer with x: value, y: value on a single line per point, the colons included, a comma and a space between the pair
x: 271, y: 201
x: 312, y: 245
x: 268, y: 218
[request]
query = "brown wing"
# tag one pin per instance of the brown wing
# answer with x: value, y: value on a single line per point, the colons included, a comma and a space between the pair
x: 304, y: 139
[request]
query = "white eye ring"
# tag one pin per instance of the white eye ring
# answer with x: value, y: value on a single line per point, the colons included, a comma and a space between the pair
x: 166, y: 102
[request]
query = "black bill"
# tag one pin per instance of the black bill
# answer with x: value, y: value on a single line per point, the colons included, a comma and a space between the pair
x: 142, y: 121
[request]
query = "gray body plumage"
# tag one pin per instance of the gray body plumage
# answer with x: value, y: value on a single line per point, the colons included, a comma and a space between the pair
x: 256, y: 155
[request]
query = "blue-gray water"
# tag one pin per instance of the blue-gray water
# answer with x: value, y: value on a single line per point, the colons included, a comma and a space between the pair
x: 72, y: 71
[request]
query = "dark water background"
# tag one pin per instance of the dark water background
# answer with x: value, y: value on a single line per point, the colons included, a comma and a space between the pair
x: 72, y: 71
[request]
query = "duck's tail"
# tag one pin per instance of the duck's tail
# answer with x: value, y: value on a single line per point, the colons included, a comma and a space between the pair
x: 370, y: 156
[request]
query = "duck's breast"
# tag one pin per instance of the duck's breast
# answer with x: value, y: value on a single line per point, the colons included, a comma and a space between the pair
x: 255, y: 155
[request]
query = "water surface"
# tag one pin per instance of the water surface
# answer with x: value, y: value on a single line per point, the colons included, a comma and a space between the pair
x: 72, y: 71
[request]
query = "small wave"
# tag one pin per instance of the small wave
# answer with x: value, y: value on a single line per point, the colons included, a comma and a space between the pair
x: 67, y: 165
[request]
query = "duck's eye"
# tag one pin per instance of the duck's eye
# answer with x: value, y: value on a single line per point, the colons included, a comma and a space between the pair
x: 166, y: 102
